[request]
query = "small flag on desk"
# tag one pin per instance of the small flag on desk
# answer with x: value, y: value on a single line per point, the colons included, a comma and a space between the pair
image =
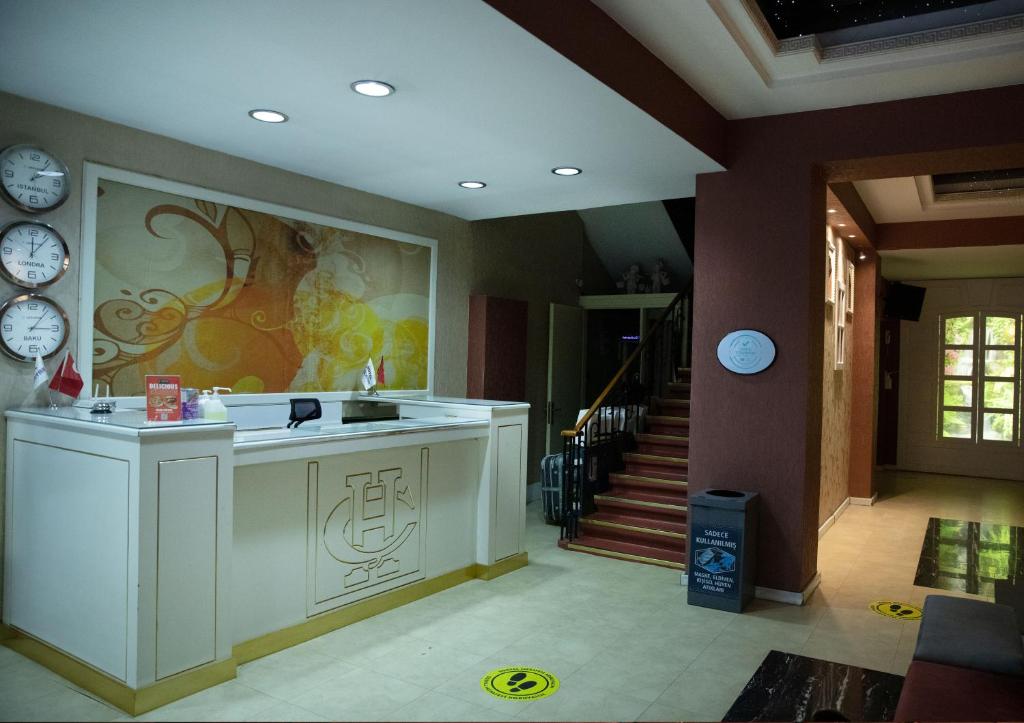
x: 39, y: 376
x: 67, y: 380
x: 369, y: 375
x: 380, y: 371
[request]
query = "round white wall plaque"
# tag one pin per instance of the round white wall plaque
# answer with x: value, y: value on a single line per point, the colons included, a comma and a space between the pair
x: 746, y: 351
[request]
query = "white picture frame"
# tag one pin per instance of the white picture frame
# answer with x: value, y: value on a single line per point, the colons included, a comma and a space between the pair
x: 93, y: 173
x: 831, y: 266
x: 851, y: 273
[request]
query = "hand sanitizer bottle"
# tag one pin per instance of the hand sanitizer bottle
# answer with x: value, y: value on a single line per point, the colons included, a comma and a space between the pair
x: 202, y: 403
x: 214, y: 409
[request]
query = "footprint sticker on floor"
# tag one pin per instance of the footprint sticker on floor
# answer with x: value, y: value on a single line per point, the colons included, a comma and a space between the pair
x: 519, y: 683
x: 896, y: 610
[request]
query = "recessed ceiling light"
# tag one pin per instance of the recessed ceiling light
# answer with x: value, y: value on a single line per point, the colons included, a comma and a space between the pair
x: 566, y: 171
x: 472, y: 184
x: 851, y: 236
x: 861, y: 256
x: 268, y: 116
x: 831, y: 210
x: 840, y: 225
x: 373, y: 88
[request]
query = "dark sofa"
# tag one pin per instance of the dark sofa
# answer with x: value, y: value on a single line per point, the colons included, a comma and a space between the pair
x: 968, y: 664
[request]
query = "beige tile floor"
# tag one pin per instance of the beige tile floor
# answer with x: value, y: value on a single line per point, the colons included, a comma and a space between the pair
x: 618, y: 635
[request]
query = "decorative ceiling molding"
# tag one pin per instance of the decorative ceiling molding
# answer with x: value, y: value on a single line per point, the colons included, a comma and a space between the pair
x: 816, y: 57
x: 1011, y: 199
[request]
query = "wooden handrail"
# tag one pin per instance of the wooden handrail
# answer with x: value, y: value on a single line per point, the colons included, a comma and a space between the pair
x: 580, y: 425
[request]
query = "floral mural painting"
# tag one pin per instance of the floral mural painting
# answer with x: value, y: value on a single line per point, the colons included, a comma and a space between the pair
x: 250, y: 300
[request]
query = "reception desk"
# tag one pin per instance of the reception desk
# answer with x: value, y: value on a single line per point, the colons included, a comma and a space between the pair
x: 145, y: 561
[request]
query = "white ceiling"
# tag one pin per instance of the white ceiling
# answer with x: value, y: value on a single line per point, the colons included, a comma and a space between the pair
x: 478, y: 97
x: 638, y: 233
x: 979, y: 262
x: 724, y: 55
x: 902, y: 200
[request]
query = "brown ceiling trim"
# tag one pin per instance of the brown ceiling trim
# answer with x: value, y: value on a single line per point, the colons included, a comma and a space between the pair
x: 584, y: 34
x: 854, y: 205
x: 1003, y: 231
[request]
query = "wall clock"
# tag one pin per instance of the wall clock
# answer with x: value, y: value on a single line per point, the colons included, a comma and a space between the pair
x: 32, y: 179
x: 32, y: 254
x: 31, y: 324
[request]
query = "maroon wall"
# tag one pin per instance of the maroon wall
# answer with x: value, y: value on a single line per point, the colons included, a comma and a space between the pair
x: 496, y: 367
x: 944, y: 234
x: 758, y: 261
x: 863, y: 357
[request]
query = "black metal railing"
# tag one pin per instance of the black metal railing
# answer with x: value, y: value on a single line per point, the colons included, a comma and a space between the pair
x: 594, y: 447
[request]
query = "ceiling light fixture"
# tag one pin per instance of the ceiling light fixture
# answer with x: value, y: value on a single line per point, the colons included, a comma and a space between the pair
x: 831, y: 210
x: 566, y: 171
x: 861, y: 256
x: 373, y: 88
x: 268, y: 116
x: 472, y: 184
x: 840, y: 225
x: 851, y: 236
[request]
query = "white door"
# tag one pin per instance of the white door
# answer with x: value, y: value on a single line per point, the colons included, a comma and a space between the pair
x: 565, y: 371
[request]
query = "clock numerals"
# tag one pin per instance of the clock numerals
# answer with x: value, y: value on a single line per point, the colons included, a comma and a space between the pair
x: 32, y: 325
x: 33, y: 179
x: 33, y: 254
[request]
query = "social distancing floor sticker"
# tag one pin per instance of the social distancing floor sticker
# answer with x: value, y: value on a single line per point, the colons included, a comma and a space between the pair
x: 896, y: 610
x: 519, y: 683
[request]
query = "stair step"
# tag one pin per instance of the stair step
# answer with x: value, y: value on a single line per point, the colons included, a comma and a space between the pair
x: 639, y: 483
x: 618, y: 532
x: 671, y: 403
x: 642, y: 502
x: 664, y: 538
x: 670, y: 440
x: 668, y: 420
x: 628, y: 551
x: 655, y: 460
x: 662, y: 527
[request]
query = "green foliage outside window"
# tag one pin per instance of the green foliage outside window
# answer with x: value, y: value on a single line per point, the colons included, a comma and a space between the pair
x: 960, y: 330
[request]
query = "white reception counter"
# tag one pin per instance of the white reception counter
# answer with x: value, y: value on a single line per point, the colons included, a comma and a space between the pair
x: 145, y: 561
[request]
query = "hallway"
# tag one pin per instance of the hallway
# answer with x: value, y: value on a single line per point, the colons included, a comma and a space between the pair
x: 618, y: 635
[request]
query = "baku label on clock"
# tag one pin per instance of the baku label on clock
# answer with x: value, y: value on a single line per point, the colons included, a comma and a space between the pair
x: 31, y: 326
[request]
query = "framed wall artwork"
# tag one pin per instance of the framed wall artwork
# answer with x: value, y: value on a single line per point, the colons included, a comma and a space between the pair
x: 241, y: 293
x: 830, y: 267
x: 840, y: 305
x: 851, y: 272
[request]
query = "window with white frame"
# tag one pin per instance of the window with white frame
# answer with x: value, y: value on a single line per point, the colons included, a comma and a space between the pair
x: 980, y: 377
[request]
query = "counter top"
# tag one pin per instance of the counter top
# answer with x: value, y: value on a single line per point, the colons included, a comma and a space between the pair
x: 129, y: 422
x: 432, y: 400
x: 313, y: 432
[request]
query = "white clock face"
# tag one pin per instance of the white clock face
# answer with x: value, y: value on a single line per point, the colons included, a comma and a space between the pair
x: 32, y: 179
x: 32, y: 325
x: 32, y: 254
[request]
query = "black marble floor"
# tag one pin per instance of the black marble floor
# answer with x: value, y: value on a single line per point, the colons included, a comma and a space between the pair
x: 970, y: 556
x: 791, y: 687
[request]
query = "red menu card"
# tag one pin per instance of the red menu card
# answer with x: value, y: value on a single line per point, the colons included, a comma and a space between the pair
x: 163, y: 398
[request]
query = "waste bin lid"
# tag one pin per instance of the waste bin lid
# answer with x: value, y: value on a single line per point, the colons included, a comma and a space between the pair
x: 723, y: 499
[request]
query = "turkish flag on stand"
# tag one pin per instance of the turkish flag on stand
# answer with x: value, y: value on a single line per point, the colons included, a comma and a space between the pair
x: 380, y: 372
x: 67, y: 380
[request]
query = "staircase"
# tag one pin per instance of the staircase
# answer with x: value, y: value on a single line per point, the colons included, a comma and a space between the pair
x: 642, y: 516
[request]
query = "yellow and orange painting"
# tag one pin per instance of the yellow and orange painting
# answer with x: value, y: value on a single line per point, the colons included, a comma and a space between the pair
x: 232, y: 297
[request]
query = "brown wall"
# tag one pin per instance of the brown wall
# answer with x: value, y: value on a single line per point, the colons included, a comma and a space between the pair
x: 945, y: 234
x: 759, y: 260
x: 863, y: 337
x: 836, y: 397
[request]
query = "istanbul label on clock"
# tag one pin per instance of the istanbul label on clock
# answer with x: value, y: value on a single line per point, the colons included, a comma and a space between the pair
x: 32, y: 179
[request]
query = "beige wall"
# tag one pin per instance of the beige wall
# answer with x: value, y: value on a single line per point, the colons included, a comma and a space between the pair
x: 536, y: 258
x: 835, y: 415
x: 919, y: 448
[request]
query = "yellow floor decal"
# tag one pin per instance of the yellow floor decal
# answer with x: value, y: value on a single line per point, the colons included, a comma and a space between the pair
x: 896, y: 610
x: 519, y: 683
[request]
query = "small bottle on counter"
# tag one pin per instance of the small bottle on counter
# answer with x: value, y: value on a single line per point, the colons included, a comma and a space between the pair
x: 212, y: 407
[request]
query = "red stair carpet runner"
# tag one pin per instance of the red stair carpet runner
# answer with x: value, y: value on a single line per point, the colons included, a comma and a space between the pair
x: 642, y: 517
